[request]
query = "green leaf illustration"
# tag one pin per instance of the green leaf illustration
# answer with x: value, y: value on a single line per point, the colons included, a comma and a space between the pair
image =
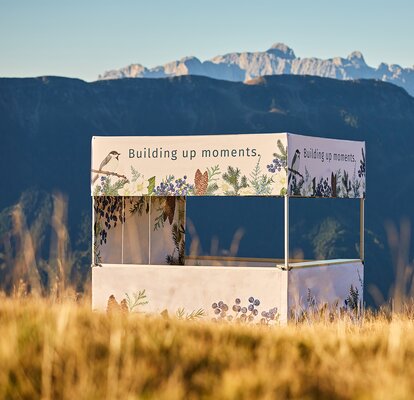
x: 151, y: 185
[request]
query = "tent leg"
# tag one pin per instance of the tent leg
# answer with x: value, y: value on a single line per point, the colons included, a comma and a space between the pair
x: 286, y: 232
x: 93, y: 232
x: 185, y: 222
x: 149, y: 229
x: 361, y: 229
x: 122, y: 230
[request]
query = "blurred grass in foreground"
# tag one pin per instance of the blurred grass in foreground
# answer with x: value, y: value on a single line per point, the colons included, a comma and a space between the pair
x: 63, y: 350
x: 52, y: 346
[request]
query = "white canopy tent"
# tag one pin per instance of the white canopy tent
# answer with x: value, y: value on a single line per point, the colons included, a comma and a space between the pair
x: 139, y: 188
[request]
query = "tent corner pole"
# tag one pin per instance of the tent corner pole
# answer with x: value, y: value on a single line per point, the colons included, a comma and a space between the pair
x: 362, y: 229
x: 149, y: 229
x: 286, y: 231
x: 93, y: 232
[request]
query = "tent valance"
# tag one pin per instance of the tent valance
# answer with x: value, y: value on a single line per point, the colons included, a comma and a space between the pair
x: 272, y: 164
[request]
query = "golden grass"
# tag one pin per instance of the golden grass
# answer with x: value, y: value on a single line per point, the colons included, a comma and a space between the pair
x: 56, y: 348
x: 65, y: 351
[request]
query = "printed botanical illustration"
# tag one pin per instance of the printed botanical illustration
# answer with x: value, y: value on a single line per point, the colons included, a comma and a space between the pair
x: 339, y: 183
x: 265, y: 178
x: 129, y: 304
x: 149, y: 222
x: 313, y: 309
x: 247, y: 314
x: 311, y: 167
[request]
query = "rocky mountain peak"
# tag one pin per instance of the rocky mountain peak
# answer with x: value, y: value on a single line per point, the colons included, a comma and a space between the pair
x: 279, y: 59
x: 282, y: 51
x: 356, y: 56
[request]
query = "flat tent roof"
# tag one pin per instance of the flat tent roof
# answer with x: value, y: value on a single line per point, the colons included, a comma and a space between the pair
x: 271, y: 164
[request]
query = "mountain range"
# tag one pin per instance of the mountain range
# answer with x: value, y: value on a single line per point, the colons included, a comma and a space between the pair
x: 46, y: 126
x: 279, y: 59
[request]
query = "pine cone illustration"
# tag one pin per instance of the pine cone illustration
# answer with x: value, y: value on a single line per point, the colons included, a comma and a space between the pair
x: 124, y: 307
x: 169, y: 209
x: 201, y: 182
x: 112, y: 306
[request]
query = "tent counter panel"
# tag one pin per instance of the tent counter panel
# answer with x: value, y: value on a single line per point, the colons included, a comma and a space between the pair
x: 199, y: 286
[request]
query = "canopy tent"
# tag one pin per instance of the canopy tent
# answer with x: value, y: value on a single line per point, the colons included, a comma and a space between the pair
x: 147, y: 179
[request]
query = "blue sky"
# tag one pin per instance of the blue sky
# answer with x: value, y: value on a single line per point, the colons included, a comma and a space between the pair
x: 84, y: 38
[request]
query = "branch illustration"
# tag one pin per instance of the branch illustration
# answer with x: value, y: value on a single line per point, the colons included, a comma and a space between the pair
x: 109, y: 173
x: 295, y: 172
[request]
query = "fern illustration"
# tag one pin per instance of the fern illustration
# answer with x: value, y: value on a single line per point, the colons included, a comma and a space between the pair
x: 107, y: 188
x: 356, y: 184
x: 135, y: 174
x: 138, y: 205
x: 193, y: 315
x: 159, y: 219
x: 177, y: 257
x: 295, y: 186
x: 352, y: 302
x: 261, y: 183
x: 235, y: 180
x: 138, y: 299
x: 346, y: 184
x: 213, y: 177
x: 282, y: 155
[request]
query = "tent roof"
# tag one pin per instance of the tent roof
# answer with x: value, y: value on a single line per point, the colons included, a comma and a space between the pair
x: 269, y: 164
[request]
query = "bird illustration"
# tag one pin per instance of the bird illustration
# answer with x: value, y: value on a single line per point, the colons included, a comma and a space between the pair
x: 109, y: 163
x: 294, y: 168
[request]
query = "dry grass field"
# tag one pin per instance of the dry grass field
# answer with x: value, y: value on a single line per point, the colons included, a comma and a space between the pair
x: 63, y: 350
x: 53, y: 346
